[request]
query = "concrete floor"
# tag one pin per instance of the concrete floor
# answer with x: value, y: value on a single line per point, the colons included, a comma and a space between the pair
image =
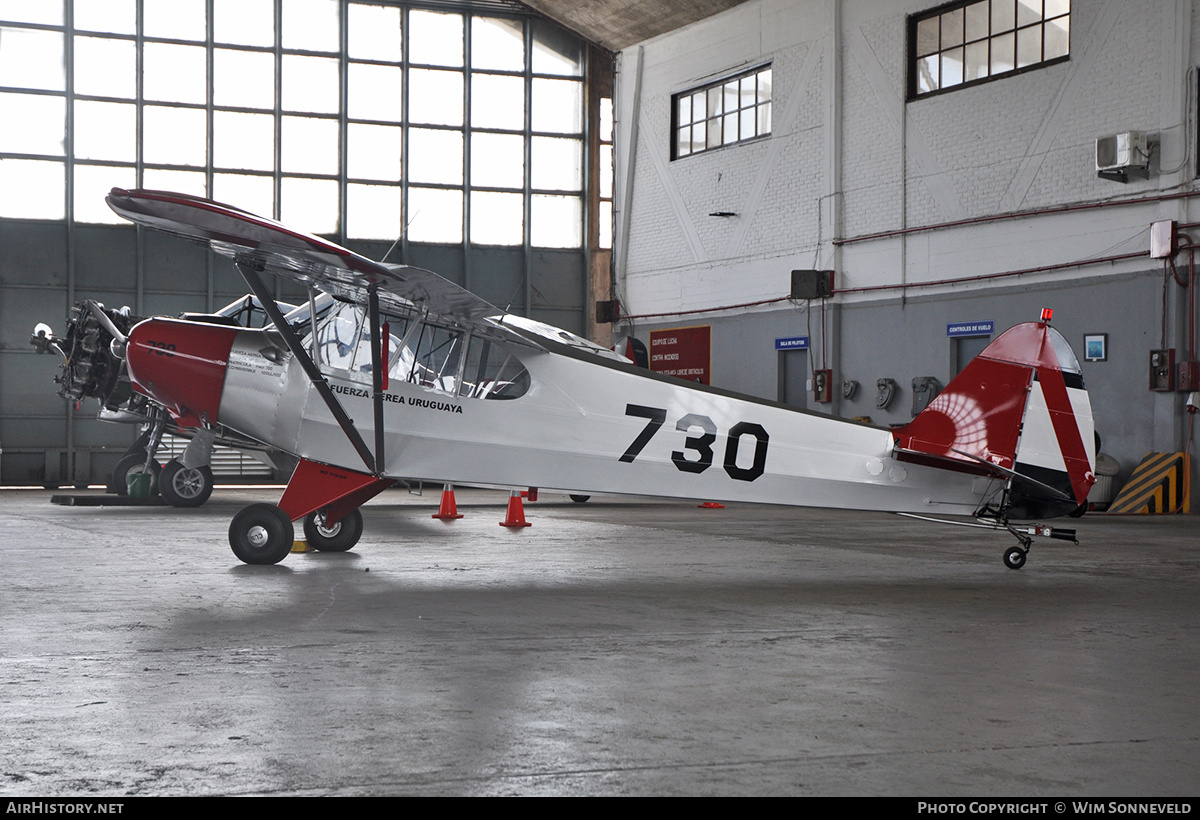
x: 616, y: 647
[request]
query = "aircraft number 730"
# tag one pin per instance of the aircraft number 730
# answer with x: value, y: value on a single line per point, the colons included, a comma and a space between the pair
x: 701, y: 444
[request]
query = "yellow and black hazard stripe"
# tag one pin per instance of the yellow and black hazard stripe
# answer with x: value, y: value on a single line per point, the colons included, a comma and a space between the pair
x: 1159, y: 484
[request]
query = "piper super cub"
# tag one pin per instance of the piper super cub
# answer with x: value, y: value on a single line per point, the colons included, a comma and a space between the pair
x: 411, y: 375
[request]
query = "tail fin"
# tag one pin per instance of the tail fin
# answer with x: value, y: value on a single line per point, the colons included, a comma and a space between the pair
x: 1018, y: 410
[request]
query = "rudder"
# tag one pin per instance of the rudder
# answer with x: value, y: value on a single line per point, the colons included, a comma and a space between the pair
x: 1018, y: 410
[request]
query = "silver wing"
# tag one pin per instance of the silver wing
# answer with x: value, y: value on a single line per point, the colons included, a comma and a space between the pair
x: 268, y: 246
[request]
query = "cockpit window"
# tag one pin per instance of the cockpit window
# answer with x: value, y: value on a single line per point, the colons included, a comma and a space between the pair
x: 446, y: 359
x: 492, y: 372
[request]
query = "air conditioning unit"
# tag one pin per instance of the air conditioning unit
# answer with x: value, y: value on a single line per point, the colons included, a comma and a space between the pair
x: 1118, y: 154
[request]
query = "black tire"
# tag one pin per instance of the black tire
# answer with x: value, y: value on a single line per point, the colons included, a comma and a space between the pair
x: 134, y: 464
x: 579, y: 499
x: 183, y: 487
x: 261, y: 534
x: 1014, y: 557
x: 340, y: 537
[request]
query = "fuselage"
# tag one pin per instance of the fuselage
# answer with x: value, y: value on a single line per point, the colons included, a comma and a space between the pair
x: 545, y: 414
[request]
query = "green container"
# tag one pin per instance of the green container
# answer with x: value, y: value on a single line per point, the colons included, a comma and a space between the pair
x: 138, y: 484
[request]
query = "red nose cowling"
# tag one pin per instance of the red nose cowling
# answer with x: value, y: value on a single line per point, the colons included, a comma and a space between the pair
x: 181, y: 365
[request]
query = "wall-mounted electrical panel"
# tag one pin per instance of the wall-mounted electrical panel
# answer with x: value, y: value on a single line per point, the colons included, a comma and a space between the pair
x: 1162, y: 239
x: 1162, y: 369
x: 823, y: 385
x: 1189, y: 377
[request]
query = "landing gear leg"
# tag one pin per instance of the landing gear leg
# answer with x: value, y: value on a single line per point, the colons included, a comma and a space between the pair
x: 1014, y: 557
x: 140, y: 458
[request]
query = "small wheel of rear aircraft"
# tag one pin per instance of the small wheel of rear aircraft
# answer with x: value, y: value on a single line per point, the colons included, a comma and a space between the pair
x: 184, y: 487
x: 337, y: 537
x: 134, y: 464
x: 261, y: 534
x: 1014, y: 557
x: 579, y: 499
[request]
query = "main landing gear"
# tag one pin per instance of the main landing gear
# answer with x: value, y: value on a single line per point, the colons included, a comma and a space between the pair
x: 326, y: 499
x: 263, y: 533
x: 179, y: 485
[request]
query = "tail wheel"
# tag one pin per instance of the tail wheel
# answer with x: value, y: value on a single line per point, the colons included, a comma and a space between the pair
x: 579, y: 499
x: 183, y: 486
x: 1014, y: 557
x: 261, y: 534
x: 135, y: 464
x: 337, y: 537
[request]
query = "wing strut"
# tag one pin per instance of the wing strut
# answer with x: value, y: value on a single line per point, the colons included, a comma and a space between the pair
x: 250, y: 274
x: 377, y: 368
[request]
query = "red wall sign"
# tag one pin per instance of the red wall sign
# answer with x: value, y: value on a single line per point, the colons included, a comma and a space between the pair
x: 684, y: 352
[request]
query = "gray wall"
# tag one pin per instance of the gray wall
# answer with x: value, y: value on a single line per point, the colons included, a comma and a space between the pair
x: 46, y: 266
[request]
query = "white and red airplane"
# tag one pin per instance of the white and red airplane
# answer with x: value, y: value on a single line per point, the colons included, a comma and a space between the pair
x: 412, y: 376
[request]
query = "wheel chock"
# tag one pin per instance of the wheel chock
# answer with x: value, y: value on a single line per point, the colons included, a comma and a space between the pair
x: 447, y: 510
x: 301, y: 546
x: 515, y: 515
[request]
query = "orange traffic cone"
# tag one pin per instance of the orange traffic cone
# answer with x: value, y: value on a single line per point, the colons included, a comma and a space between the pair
x: 515, y: 516
x: 448, y: 510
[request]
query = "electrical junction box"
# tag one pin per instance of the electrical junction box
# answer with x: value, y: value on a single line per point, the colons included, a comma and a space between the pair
x: 823, y: 385
x: 1162, y: 239
x: 1162, y: 369
x: 1189, y: 377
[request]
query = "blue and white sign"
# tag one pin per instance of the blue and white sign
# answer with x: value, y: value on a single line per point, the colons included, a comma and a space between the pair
x: 960, y: 329
x: 792, y: 343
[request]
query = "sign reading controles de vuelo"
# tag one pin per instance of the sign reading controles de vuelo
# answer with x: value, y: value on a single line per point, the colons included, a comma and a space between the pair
x: 683, y: 352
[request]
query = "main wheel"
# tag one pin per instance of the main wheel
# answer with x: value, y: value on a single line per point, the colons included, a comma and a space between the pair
x: 1014, y: 557
x: 134, y: 464
x: 185, y: 487
x: 337, y: 537
x: 261, y: 534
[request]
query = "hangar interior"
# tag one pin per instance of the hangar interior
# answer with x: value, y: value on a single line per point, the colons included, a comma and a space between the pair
x: 457, y: 137
x: 936, y: 172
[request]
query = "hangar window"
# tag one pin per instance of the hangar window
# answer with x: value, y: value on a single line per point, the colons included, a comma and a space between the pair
x: 438, y: 122
x: 732, y: 110
x: 969, y: 43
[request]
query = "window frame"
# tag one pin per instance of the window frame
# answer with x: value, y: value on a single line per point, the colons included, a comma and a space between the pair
x: 759, y: 103
x: 914, y: 21
x: 547, y: 60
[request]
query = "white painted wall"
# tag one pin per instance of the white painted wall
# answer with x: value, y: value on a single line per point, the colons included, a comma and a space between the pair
x: 1020, y: 143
